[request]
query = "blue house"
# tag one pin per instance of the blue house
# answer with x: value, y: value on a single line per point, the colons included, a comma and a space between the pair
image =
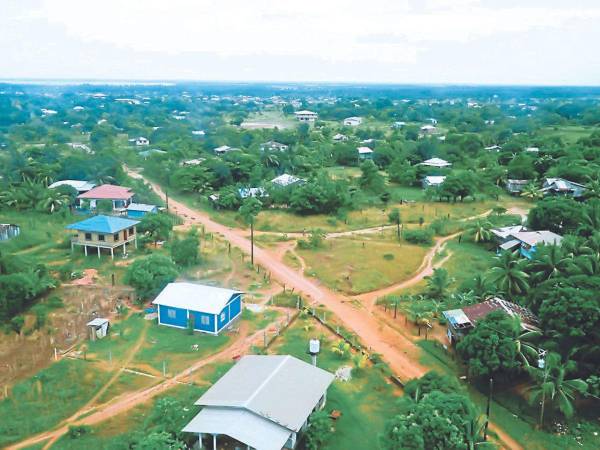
x: 139, y: 210
x: 209, y: 308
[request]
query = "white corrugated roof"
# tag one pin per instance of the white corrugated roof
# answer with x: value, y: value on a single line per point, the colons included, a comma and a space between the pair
x: 286, y: 179
x: 195, y: 297
x: 364, y: 150
x: 435, y: 179
x: 280, y: 388
x: 78, y: 185
x: 240, y: 424
x: 536, y: 237
x: 436, y: 162
x: 141, y: 207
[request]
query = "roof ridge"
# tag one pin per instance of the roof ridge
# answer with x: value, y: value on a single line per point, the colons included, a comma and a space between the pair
x: 264, y: 382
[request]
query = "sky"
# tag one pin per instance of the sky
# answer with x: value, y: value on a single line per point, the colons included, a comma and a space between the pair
x: 545, y: 42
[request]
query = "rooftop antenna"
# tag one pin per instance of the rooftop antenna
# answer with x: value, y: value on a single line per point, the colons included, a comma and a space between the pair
x: 314, y: 347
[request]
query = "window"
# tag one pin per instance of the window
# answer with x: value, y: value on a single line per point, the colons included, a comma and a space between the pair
x: 88, y: 236
x: 171, y: 313
x: 205, y: 320
x: 222, y: 317
x: 116, y: 236
x: 131, y: 231
x: 101, y: 237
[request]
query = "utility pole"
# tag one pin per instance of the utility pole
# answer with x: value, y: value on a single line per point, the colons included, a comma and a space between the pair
x: 167, y: 199
x: 252, y: 242
x: 487, y: 410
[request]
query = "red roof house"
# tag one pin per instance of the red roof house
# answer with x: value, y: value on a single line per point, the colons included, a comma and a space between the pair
x: 120, y: 196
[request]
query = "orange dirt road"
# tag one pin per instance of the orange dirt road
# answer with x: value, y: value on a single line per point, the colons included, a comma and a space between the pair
x: 398, y: 351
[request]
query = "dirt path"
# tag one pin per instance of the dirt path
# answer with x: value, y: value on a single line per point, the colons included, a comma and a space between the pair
x: 398, y: 351
x: 125, y: 402
x: 89, y: 406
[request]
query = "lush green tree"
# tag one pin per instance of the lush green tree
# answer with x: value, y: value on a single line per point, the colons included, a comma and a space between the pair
x: 558, y: 214
x: 480, y: 230
x: 432, y: 381
x: 149, y: 275
x: 490, y: 348
x: 159, y: 441
x: 370, y: 179
x: 185, y: 252
x: 156, y: 226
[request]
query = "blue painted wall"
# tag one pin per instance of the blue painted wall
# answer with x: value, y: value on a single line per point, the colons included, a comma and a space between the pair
x: 210, y: 327
x: 180, y: 319
x: 236, y: 306
x: 528, y: 253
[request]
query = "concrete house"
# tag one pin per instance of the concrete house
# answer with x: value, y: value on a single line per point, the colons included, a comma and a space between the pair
x: 515, y: 187
x: 263, y: 402
x: 461, y: 321
x: 79, y: 185
x: 209, y: 309
x: 436, y: 162
x: 560, y: 186
x: 306, y: 116
x: 273, y: 146
x: 339, y: 137
x: 142, y: 141
x: 223, y: 149
x: 104, y: 232
x: 120, y: 196
x: 139, y: 210
x: 432, y: 181
x: 286, y: 180
x: 352, y: 121
x: 364, y: 153
x: 428, y: 129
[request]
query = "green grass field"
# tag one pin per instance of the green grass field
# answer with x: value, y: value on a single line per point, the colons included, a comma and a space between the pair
x: 357, y: 265
x: 468, y: 260
x: 53, y: 394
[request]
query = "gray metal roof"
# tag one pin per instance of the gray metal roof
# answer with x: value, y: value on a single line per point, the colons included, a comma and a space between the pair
x: 280, y: 388
x: 240, y: 424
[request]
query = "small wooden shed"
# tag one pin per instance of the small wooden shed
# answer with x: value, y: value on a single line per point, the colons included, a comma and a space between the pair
x: 98, y: 328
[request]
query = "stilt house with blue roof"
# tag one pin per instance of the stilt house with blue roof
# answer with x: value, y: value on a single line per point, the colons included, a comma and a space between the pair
x: 208, y: 309
x: 104, y: 232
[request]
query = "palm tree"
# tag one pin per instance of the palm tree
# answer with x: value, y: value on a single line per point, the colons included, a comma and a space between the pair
x: 551, y: 385
x: 480, y: 230
x: 532, y: 192
x: 549, y: 262
x: 53, y: 201
x: 508, y: 276
x: 592, y: 189
x: 474, y: 431
x: 438, y: 283
x: 481, y: 287
x: 524, y: 340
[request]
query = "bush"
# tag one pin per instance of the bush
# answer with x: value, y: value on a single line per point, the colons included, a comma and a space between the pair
x: 17, y: 323
x: 76, y: 431
x: 421, y: 237
x: 388, y: 256
x: 151, y: 274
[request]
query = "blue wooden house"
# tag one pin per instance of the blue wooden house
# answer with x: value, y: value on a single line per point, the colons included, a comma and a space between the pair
x: 139, y: 210
x: 208, y: 308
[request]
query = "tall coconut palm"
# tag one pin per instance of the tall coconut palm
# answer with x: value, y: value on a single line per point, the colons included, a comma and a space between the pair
x: 53, y: 201
x: 551, y: 386
x: 508, y: 276
x: 480, y: 230
x: 474, y: 431
x: 592, y: 189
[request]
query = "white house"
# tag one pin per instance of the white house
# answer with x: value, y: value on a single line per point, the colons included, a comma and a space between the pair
x: 306, y: 116
x: 223, y: 149
x: 340, y: 137
x: 142, y: 141
x: 273, y: 146
x: 398, y: 124
x: 263, y: 403
x: 193, y: 162
x: 256, y: 192
x: 286, y: 180
x: 493, y: 148
x: 428, y: 129
x: 365, y: 153
x: 79, y: 185
x: 433, y: 181
x: 560, y: 186
x: 352, y: 121
x: 198, y: 132
x: 436, y: 162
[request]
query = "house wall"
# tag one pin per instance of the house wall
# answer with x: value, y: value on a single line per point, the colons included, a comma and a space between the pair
x: 203, y: 321
x: 136, y: 214
x: 109, y: 240
x: 527, y: 252
x: 230, y: 312
x: 175, y: 317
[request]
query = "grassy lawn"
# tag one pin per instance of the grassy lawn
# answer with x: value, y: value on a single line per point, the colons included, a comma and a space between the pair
x: 269, y: 119
x: 357, y: 265
x: 569, y: 134
x: 42, y: 401
x: 174, y: 347
x: 468, y: 259
x: 365, y: 401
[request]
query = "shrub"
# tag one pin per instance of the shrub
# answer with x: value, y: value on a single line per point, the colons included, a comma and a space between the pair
x: 388, y: 256
x: 422, y: 237
x: 76, y: 431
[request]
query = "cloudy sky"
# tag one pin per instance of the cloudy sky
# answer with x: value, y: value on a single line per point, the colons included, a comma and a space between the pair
x: 399, y: 41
